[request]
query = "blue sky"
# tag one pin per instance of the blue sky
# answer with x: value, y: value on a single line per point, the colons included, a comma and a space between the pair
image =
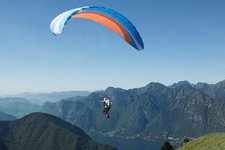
x: 184, y: 40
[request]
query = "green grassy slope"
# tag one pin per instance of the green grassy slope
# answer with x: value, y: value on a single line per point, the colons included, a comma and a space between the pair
x: 215, y: 141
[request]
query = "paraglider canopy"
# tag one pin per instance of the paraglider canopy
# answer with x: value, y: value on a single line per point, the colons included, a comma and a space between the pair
x: 104, y: 16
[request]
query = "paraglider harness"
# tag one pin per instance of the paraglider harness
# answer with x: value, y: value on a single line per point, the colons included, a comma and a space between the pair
x: 107, y: 105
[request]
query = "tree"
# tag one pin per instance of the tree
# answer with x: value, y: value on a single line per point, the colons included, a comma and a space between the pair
x: 167, y: 146
x: 185, y: 141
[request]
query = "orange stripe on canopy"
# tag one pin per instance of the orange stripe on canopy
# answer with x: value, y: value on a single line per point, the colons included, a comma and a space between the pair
x: 105, y: 21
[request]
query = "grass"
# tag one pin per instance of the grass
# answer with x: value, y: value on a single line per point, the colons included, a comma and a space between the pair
x: 215, y: 141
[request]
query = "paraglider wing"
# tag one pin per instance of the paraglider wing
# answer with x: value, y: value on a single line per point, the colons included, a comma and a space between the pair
x: 104, y: 16
x: 60, y: 21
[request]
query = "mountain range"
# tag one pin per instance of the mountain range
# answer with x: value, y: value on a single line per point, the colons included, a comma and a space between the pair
x: 155, y: 110
x: 214, y: 90
x: 41, y: 131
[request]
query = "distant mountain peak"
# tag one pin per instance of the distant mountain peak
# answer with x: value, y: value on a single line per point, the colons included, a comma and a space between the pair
x: 221, y: 82
x: 201, y: 85
x: 155, y: 84
x: 111, y: 90
x: 181, y: 84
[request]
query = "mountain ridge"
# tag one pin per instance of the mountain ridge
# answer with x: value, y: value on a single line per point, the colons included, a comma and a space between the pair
x: 45, y: 132
x: 154, y: 109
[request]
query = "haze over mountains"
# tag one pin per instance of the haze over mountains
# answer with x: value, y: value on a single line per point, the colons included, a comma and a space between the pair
x: 23, y: 104
x: 4, y: 116
x: 40, y: 98
x: 54, y: 96
x: 153, y: 112
x: 18, y: 107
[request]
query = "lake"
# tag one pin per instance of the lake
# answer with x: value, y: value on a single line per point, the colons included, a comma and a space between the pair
x: 128, y: 144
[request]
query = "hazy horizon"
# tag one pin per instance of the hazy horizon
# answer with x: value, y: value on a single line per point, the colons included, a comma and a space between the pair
x: 70, y: 90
